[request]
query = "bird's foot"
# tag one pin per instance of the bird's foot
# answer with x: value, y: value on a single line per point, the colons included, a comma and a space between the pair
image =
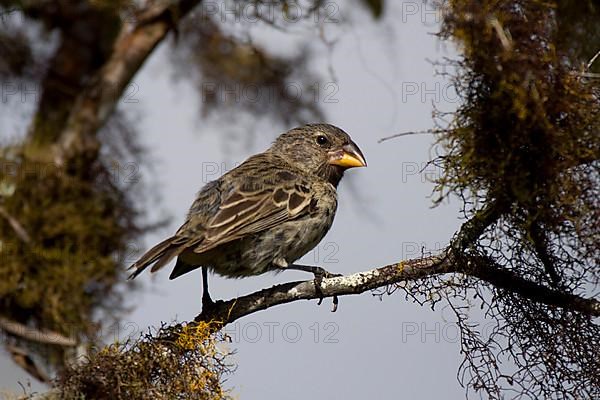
x: 320, y: 274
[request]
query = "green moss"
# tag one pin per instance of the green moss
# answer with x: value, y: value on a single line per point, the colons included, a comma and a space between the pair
x: 180, y: 362
x: 68, y: 270
x: 527, y: 131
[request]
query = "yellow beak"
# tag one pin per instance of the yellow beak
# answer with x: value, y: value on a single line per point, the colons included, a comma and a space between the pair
x: 349, y: 156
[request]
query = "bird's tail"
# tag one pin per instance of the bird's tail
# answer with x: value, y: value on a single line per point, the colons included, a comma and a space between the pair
x: 160, y: 254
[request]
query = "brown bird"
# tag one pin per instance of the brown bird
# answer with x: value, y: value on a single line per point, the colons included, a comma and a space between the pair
x: 266, y: 213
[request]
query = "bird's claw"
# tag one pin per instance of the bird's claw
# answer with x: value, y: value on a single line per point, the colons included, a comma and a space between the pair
x: 320, y: 274
x: 336, y: 301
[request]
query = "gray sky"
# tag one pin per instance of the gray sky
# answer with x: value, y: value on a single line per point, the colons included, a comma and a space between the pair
x: 369, y: 348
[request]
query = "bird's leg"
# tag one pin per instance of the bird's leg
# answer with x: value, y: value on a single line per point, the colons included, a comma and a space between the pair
x: 206, y: 300
x: 319, y: 274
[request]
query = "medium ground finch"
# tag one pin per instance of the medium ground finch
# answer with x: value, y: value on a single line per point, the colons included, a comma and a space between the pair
x: 266, y: 213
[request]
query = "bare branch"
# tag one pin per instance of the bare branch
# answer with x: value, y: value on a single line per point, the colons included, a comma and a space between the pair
x: 231, y: 310
x: 410, y: 133
x: 35, y: 335
x: 501, y: 278
x: 589, y: 64
x: 132, y: 47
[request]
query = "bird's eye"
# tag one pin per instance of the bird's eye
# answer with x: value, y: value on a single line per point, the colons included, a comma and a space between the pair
x: 322, y: 140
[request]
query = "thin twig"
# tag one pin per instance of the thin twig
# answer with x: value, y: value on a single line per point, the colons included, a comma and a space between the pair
x: 429, y: 132
x: 589, y: 64
x: 16, y: 225
x: 502, y: 35
x: 35, y: 335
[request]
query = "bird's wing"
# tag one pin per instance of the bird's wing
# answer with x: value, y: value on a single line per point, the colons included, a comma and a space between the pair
x: 254, y: 197
x: 257, y: 206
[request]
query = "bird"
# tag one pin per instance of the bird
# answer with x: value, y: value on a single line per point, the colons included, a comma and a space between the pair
x: 264, y: 214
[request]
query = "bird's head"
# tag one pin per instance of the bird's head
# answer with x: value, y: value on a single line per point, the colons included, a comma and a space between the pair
x: 319, y: 149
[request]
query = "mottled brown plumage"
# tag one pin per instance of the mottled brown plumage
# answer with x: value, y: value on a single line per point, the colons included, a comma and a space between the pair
x: 266, y: 213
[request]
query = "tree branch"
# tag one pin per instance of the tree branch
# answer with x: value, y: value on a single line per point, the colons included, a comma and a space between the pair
x: 132, y: 47
x: 472, y: 229
x: 484, y: 269
x: 35, y: 335
x: 231, y: 310
x: 501, y: 278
